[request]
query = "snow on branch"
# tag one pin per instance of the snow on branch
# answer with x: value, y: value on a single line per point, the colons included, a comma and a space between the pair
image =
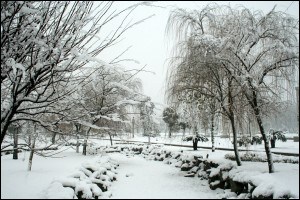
x: 91, y: 125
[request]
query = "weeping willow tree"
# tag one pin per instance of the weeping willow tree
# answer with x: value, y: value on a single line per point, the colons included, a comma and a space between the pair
x: 195, y: 79
x: 237, y: 52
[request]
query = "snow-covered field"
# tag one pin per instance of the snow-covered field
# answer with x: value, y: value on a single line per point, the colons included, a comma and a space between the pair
x: 138, y: 177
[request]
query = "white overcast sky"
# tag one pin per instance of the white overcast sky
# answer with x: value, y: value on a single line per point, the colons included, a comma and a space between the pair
x: 151, y: 47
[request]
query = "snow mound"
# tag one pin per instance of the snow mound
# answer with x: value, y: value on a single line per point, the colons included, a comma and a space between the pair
x: 90, y: 181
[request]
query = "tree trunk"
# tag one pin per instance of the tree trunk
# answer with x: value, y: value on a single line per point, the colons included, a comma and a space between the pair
x: 15, y: 135
x: 272, y: 143
x: 6, y: 122
x: 195, y: 144
x: 77, y: 126
x: 235, y: 148
x: 111, y: 143
x: 84, y: 147
x: 148, y: 138
x: 29, y: 139
x: 231, y: 119
x: 212, y: 133
x: 267, y: 147
x: 32, y: 149
x: 133, y: 127
x: 53, y: 138
x: 77, y: 144
x: 85, y: 142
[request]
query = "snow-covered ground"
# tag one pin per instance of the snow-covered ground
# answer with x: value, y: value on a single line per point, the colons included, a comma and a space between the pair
x: 18, y: 183
x: 137, y: 177
x: 140, y: 178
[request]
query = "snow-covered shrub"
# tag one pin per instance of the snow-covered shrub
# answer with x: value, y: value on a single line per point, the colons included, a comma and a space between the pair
x: 200, y: 138
x: 244, y: 140
x: 261, y: 157
x: 256, y: 140
x: 90, y: 181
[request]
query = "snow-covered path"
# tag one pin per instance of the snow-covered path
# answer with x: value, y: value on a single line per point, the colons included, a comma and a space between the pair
x: 144, y: 179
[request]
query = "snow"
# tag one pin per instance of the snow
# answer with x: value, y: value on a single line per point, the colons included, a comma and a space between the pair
x: 138, y: 177
x: 57, y: 191
x: 92, y: 125
x: 18, y: 183
x: 122, y: 86
x: 129, y: 101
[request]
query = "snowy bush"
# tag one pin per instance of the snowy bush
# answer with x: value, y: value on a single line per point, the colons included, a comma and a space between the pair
x: 260, y: 157
x: 244, y: 140
x: 256, y: 140
x: 90, y: 181
x: 94, y: 149
x: 200, y: 138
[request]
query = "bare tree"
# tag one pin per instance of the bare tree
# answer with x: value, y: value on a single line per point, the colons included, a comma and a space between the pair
x: 43, y: 44
x: 102, y: 98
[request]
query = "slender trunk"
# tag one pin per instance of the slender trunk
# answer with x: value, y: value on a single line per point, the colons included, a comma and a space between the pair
x: 84, y: 147
x: 236, y: 151
x: 77, y: 144
x: 77, y: 126
x: 53, y: 138
x: 15, y: 152
x: 212, y: 132
x: 255, y: 107
x: 148, y: 138
x: 195, y: 144
x: 232, y: 121
x: 31, y: 155
x: 267, y: 146
x: 170, y: 131
x: 85, y: 142
x: 272, y: 143
x: 32, y: 150
x: 249, y: 128
x: 133, y: 128
x: 111, y: 143
x: 29, y: 139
